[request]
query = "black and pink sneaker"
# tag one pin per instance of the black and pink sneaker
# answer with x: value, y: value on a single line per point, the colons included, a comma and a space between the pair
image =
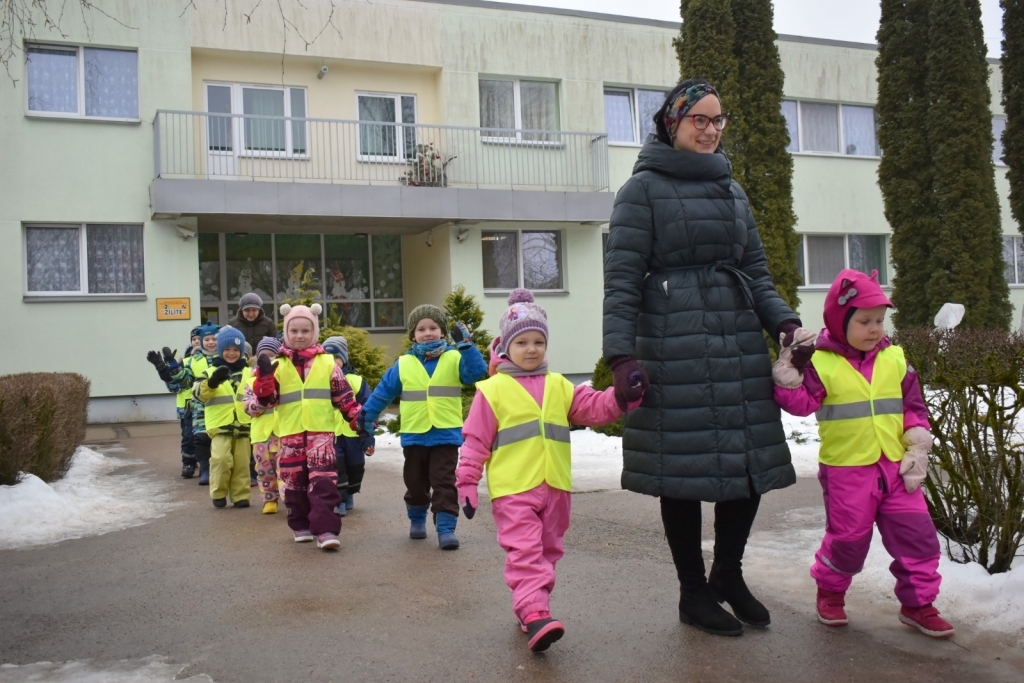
x: 542, y: 631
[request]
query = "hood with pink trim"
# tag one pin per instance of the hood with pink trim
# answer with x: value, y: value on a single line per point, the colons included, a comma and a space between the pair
x: 851, y: 289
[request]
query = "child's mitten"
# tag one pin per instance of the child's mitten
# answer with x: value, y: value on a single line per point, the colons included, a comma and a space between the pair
x: 161, y: 368
x: 629, y: 379
x: 788, y: 371
x: 914, y: 466
x: 461, y: 335
x: 266, y: 369
x: 469, y: 499
x: 368, y: 444
x: 219, y: 376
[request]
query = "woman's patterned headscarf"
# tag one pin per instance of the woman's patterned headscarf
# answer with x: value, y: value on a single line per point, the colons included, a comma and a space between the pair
x: 683, y: 103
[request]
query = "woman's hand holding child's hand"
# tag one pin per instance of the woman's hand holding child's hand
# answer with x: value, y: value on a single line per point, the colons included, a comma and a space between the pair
x: 629, y: 379
x: 797, y: 349
x: 914, y: 466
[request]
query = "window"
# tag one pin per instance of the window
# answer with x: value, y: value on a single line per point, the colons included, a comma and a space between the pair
x: 89, y: 82
x: 523, y: 258
x: 386, y: 138
x: 359, y: 277
x: 822, y: 128
x: 270, y: 136
x: 516, y: 106
x: 84, y: 259
x: 998, y: 128
x: 821, y: 257
x: 1013, y: 255
x: 629, y: 113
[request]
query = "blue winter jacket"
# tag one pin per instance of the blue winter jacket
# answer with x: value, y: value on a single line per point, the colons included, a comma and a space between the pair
x: 472, y: 368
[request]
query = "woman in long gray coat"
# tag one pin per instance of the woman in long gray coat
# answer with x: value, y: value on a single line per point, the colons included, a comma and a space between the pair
x: 687, y: 298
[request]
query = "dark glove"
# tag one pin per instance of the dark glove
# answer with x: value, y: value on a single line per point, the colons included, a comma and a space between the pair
x: 368, y: 444
x: 154, y: 358
x: 629, y: 380
x: 219, y: 376
x: 169, y: 355
x: 802, y: 352
x: 358, y: 423
x: 461, y: 335
x: 802, y: 355
x: 266, y: 369
x: 786, y: 331
x: 171, y: 362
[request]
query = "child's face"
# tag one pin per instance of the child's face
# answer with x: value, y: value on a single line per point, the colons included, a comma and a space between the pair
x: 210, y: 343
x: 231, y: 354
x: 195, y: 340
x: 299, y: 334
x: 426, y: 331
x: 866, y: 328
x: 528, y: 350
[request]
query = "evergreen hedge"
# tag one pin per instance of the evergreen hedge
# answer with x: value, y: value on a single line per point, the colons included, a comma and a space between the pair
x: 1012, y: 66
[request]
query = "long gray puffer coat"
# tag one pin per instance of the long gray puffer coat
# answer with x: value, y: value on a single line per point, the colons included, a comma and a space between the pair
x: 688, y: 293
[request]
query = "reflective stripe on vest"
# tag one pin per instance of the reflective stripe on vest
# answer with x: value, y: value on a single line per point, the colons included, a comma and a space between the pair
x: 185, y: 394
x: 343, y: 428
x: 227, y: 407
x: 305, y: 406
x: 264, y: 425
x: 196, y: 366
x: 430, y: 401
x: 857, y: 421
x: 532, y: 443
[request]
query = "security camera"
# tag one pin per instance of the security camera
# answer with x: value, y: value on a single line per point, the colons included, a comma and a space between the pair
x: 462, y: 235
x: 323, y: 71
x: 185, y: 233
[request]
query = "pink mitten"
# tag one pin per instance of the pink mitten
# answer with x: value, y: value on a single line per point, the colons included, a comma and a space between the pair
x: 785, y: 373
x: 469, y: 499
x: 914, y: 466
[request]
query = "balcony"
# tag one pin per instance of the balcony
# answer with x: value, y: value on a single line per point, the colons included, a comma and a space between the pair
x: 233, y: 169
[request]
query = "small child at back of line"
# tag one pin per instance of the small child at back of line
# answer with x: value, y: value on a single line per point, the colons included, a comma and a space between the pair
x: 166, y: 365
x: 518, y: 431
x: 875, y: 439
x: 350, y: 449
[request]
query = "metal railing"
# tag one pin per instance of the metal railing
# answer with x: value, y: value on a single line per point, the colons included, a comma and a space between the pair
x: 201, y: 145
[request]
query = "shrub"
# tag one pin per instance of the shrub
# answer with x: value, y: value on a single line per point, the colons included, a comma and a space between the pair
x: 368, y: 361
x: 974, y: 389
x: 42, y: 422
x: 601, y: 381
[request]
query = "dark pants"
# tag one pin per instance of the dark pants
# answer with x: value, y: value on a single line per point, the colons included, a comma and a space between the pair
x: 431, y: 467
x: 682, y: 520
x: 351, y: 463
x: 310, y: 484
x: 202, y: 442
x: 188, y: 449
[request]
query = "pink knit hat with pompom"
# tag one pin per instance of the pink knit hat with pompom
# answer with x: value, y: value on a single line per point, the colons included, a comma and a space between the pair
x: 521, y: 315
x: 310, y: 313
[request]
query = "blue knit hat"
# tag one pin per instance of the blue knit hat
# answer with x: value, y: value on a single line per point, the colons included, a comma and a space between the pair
x: 208, y: 330
x: 229, y: 336
x: 337, y: 346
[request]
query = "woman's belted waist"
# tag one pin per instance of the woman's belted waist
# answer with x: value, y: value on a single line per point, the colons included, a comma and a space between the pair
x: 708, y: 271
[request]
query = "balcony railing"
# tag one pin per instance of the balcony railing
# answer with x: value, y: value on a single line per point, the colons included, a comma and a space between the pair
x: 200, y: 145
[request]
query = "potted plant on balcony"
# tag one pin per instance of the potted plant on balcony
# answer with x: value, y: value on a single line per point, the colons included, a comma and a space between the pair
x: 427, y: 168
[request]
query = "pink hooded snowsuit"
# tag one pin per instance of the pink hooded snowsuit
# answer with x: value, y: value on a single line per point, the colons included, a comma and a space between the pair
x: 857, y: 497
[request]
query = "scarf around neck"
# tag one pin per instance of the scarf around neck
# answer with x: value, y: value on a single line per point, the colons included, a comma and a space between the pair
x: 507, y: 367
x: 430, y: 350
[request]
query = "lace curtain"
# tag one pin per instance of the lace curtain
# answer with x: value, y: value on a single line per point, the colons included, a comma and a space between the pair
x: 497, y: 105
x: 867, y: 253
x: 539, y: 106
x: 648, y: 102
x: 826, y: 257
x: 821, y: 127
x: 501, y: 260
x: 792, y: 124
x: 618, y: 115
x: 378, y: 140
x: 115, y: 259
x: 111, y: 83
x: 542, y: 260
x: 859, y: 131
x: 52, y: 80
x: 53, y: 259
x: 264, y: 135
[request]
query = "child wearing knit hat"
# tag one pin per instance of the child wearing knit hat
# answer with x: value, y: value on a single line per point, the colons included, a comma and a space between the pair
x: 221, y: 390
x: 307, y: 390
x: 265, y: 442
x: 429, y: 379
x: 350, y: 448
x: 518, y: 432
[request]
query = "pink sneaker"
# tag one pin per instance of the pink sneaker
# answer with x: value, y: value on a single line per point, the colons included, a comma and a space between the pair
x: 830, y: 608
x: 303, y: 536
x: 328, y: 541
x: 542, y: 630
x: 926, y: 619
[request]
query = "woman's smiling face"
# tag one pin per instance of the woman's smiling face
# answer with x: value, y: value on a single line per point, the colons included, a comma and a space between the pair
x: 689, y: 139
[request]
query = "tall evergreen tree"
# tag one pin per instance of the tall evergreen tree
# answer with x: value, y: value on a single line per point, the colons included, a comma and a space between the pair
x: 705, y: 47
x: 966, y: 259
x: 1013, y: 103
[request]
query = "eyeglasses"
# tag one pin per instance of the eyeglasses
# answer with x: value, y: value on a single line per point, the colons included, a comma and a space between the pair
x: 700, y: 122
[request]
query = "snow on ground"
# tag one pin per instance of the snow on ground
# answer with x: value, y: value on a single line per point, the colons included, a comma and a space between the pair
x: 90, y: 500
x: 147, y: 670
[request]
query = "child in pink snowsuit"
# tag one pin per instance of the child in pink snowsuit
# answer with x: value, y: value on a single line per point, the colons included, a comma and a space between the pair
x: 875, y: 438
x: 518, y: 431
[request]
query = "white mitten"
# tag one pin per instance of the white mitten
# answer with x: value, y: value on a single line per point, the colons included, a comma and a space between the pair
x: 784, y: 373
x: 914, y: 466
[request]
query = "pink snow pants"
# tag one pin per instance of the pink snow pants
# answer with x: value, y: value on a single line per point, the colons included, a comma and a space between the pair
x: 306, y: 466
x: 856, y: 498
x: 531, y: 526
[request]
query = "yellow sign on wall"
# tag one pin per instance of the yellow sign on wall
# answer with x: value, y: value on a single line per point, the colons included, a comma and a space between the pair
x: 174, y: 309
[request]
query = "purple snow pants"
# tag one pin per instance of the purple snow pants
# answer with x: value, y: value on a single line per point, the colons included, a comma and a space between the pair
x: 306, y: 466
x: 856, y: 498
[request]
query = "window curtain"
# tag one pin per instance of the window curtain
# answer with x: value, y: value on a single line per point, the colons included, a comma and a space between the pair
x: 218, y: 101
x: 115, y: 259
x: 501, y: 260
x: 53, y: 259
x: 821, y: 127
x: 52, y: 80
x: 826, y: 258
x: 264, y: 135
x: 409, y: 132
x: 618, y: 115
x: 497, y: 107
x: 377, y: 140
x: 1009, y: 249
x: 859, y: 131
x: 648, y: 102
x: 297, y: 99
x: 867, y: 253
x: 112, y: 83
x: 542, y: 260
x: 539, y: 107
x: 792, y: 124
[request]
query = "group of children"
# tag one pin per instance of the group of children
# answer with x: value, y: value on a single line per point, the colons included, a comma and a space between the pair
x: 310, y: 420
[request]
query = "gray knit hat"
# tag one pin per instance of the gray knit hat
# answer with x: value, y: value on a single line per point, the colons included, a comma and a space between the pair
x: 337, y: 346
x: 426, y: 311
x: 250, y: 300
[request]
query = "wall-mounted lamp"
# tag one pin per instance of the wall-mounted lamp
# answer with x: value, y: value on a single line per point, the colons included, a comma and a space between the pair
x: 323, y: 72
x: 462, y: 234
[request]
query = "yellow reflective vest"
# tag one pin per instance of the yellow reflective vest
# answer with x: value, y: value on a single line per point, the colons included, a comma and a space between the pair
x: 858, y: 421
x: 430, y: 400
x: 342, y: 428
x: 264, y: 425
x: 197, y: 367
x: 532, y: 443
x: 305, y: 406
x: 227, y: 407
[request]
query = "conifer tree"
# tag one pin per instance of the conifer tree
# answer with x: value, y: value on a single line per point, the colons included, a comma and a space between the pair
x: 1013, y: 103
x: 705, y: 46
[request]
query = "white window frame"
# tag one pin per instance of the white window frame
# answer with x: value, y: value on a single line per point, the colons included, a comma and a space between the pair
x: 83, y: 292
x: 886, y: 238
x: 1016, y: 242
x: 521, y: 261
x: 839, y: 122
x: 238, y: 120
x: 634, y: 105
x: 399, y: 126
x: 80, y: 68
x: 518, y: 107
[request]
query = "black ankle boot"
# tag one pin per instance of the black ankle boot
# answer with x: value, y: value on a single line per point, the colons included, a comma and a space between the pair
x: 729, y: 586
x: 699, y: 608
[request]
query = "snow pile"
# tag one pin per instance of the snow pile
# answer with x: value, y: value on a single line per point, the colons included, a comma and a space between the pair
x: 147, y: 670
x: 89, y: 500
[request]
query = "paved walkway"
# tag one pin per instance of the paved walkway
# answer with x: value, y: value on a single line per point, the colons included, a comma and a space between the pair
x: 226, y: 593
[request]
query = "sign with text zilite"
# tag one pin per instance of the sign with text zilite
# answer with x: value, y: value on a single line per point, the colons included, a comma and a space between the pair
x: 174, y: 309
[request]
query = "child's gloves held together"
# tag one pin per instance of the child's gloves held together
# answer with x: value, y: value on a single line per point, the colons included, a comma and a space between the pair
x: 368, y: 444
x: 219, y: 376
x: 629, y: 379
x: 797, y: 349
x: 461, y: 335
x: 469, y: 499
x: 914, y: 466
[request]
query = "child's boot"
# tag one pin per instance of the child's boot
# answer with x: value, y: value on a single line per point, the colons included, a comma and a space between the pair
x: 188, y: 469
x: 270, y: 507
x: 340, y: 509
x: 830, y: 608
x: 349, y: 501
x: 220, y: 502
x: 926, y: 619
x: 418, y: 520
x: 204, y: 472
x: 542, y: 631
x: 445, y: 523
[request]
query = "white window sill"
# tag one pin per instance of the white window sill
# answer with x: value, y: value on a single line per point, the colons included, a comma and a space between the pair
x: 382, y: 160
x: 75, y: 298
x: 836, y: 155
x: 536, y: 292
x: 635, y: 145
x: 54, y: 116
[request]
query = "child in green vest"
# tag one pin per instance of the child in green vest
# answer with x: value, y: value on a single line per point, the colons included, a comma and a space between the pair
x: 350, y: 449
x: 518, y: 432
x: 429, y: 379
x: 166, y: 365
x: 221, y: 391
x: 183, y: 379
x: 265, y: 442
